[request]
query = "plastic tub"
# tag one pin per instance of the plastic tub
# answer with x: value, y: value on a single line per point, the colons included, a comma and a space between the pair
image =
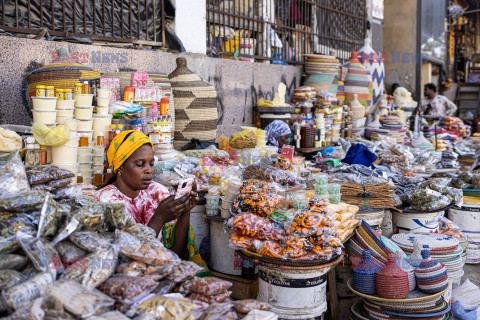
x: 103, y: 111
x: 86, y: 166
x: 212, y: 211
x: 89, y: 134
x: 299, y: 200
x: 65, y: 112
x: 225, y: 214
x: 98, y: 151
x: 334, y: 188
x: 88, y: 180
x: 73, y: 143
x: 71, y: 124
x: 83, y: 100
x: 83, y: 112
x: 44, y: 103
x: 230, y: 196
x: 226, y: 204
x: 83, y: 158
x: 103, y: 93
x: 98, y: 161
x: 44, y: 116
x: 321, y: 179
x: 84, y: 151
x: 65, y: 153
x: 321, y: 190
x: 103, y: 102
x: 100, y: 168
x: 101, y: 123
x: 84, y: 124
x: 335, y: 198
x: 212, y: 201
x: 61, y: 119
x: 234, y: 185
x: 86, y: 173
x: 65, y: 104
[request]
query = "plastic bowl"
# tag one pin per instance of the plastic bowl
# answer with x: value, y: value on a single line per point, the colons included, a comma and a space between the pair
x: 84, y: 124
x: 65, y: 112
x: 103, y: 93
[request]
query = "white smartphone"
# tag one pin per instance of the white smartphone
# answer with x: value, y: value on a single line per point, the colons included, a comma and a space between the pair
x: 184, y: 187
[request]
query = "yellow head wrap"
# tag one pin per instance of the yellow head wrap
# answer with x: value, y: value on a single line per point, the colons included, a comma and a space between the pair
x: 122, y: 147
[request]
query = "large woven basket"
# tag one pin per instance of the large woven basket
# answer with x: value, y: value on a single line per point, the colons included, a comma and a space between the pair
x: 60, y: 75
x: 196, y: 112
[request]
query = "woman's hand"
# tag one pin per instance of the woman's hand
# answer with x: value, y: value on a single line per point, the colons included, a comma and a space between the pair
x: 171, y: 209
x: 193, y: 197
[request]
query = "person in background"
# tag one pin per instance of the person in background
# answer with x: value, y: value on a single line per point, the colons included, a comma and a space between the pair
x: 393, y: 87
x: 435, y: 104
x: 278, y: 133
x: 130, y: 156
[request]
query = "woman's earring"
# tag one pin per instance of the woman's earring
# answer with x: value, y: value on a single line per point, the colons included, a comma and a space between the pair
x: 119, y: 173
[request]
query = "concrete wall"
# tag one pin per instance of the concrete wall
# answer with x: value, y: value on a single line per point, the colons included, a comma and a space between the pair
x: 399, y: 42
x: 239, y: 84
x: 190, y: 24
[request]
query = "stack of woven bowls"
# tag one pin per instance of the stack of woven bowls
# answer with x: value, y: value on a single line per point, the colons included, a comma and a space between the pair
x: 322, y: 72
x: 391, y: 127
x: 443, y: 249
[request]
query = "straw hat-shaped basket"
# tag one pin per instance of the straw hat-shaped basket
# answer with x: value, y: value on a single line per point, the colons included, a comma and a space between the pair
x: 365, y: 274
x: 392, y: 282
x: 60, y: 75
x: 196, y: 112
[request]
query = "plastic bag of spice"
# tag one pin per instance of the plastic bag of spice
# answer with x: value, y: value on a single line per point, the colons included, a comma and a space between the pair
x: 251, y: 225
x: 94, y: 268
x: 116, y: 216
x: 13, y: 179
x: 133, y: 269
x: 12, y: 261
x: 153, y: 254
x: 184, y: 270
x: 77, y: 299
x: 11, y: 226
x: 8, y: 244
x: 43, y: 187
x: 245, y: 306
x: 237, y: 242
x: 90, y: 217
x: 90, y: 240
x: 168, y: 309
x: 185, y: 287
x: 222, y: 311
x: 38, y: 175
x: 28, y: 290
x: 59, y: 184
x: 210, y: 286
x: 111, y: 315
x: 124, y: 288
x: 39, y: 251
x: 69, y: 252
x: 126, y: 240
x: 50, y: 217
x: 211, y: 299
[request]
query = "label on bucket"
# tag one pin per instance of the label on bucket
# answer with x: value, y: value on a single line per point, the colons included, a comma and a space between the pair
x: 292, y: 283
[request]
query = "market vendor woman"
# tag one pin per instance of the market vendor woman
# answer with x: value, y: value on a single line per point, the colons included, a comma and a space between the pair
x: 278, y: 133
x: 130, y: 156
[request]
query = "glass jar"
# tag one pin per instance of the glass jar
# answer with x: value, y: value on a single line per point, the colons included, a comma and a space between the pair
x: 29, y: 155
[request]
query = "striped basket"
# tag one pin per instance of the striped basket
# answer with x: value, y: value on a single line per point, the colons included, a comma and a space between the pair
x: 60, y: 75
x: 358, y: 82
x: 431, y: 276
x: 365, y: 273
x: 196, y: 114
x: 392, y: 282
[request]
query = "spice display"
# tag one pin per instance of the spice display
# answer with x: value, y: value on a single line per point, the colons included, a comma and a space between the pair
x: 245, y: 306
x: 211, y: 299
x: 184, y: 270
x: 210, y: 286
x: 160, y: 307
x: 153, y: 254
x: 124, y: 288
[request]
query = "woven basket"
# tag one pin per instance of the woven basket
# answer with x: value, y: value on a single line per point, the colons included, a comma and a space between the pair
x: 365, y: 273
x: 195, y: 106
x: 61, y: 75
x: 392, y: 282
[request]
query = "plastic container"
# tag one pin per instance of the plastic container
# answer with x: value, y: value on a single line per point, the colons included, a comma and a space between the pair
x: 103, y: 93
x: 84, y: 124
x: 321, y: 189
x: 98, y: 168
x: 230, y: 196
x: 88, y: 180
x: 225, y: 214
x: 299, y: 200
x: 98, y: 161
x: 101, y: 123
x: 334, y: 188
x: 83, y: 112
x: 98, y: 151
x: 226, y: 204
x: 65, y: 112
x: 102, y: 111
x: 65, y: 104
x: 335, y: 198
x: 65, y: 153
x: 212, y: 201
x: 86, y: 174
x: 321, y: 179
x: 85, y: 157
x: 83, y: 100
x: 44, y: 103
x: 234, y: 185
x: 44, y: 116
x: 212, y: 211
x: 84, y: 151
x: 71, y: 124
x: 103, y: 102
x: 85, y: 166
x: 61, y: 120
x: 89, y: 134
x: 72, y: 167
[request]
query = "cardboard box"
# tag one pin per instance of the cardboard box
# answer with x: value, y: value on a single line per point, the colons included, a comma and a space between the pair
x: 242, y: 288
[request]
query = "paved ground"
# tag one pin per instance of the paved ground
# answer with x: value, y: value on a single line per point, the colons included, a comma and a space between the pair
x: 472, y: 272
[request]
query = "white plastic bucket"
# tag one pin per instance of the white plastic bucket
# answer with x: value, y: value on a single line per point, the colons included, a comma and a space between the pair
x: 83, y: 112
x: 83, y: 158
x: 103, y: 111
x: 44, y: 103
x: 103, y: 102
x: 84, y: 124
x: 71, y: 124
x: 199, y: 224
x: 65, y: 112
x: 65, y: 154
x: 45, y: 116
x: 294, y: 293
x: 103, y: 93
x: 61, y: 119
x: 468, y: 219
x: 224, y: 259
x: 417, y: 222
x: 65, y: 104
x: 83, y: 100
x: 101, y: 123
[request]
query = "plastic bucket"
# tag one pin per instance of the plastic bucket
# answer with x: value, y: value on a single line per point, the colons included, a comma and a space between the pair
x: 103, y: 111
x: 417, y: 222
x: 82, y: 158
x: 224, y: 259
x: 45, y: 116
x: 71, y: 124
x: 66, y: 153
x: 294, y: 293
x: 44, y: 103
x: 84, y: 124
x: 103, y: 93
x: 103, y: 101
x: 83, y: 112
x: 65, y: 104
x: 101, y: 123
x: 468, y: 219
x: 83, y: 100
x: 65, y: 112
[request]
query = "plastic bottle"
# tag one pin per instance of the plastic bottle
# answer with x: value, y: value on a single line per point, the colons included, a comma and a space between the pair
x: 43, y: 155
x: 119, y: 129
x: 83, y: 142
x: 100, y: 139
x: 154, y: 110
x: 108, y: 175
x: 29, y: 155
x: 164, y: 106
x: 79, y: 178
x: 38, y: 156
x: 111, y: 133
x: 98, y: 178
